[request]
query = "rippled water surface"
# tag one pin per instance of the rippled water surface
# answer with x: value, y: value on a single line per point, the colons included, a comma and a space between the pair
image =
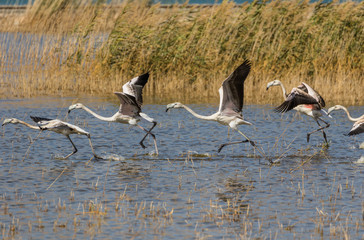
x: 189, y: 190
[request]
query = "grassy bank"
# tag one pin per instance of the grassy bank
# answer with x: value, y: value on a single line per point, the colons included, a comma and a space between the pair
x: 189, y: 51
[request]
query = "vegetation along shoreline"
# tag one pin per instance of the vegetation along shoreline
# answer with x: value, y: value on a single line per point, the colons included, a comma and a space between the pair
x: 61, y: 48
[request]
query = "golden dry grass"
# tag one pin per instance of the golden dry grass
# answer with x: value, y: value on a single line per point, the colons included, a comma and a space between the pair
x: 189, y: 51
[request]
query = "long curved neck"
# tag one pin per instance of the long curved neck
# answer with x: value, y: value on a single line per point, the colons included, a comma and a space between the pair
x: 347, y: 113
x: 107, y: 119
x: 29, y: 125
x: 283, y: 90
x: 208, y: 118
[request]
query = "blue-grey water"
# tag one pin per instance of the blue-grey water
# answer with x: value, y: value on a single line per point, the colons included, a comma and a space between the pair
x: 189, y: 190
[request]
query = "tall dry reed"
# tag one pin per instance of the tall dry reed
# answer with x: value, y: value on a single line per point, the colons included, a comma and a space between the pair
x: 190, y: 50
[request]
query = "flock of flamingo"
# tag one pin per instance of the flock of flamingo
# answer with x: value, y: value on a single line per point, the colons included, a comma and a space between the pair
x: 303, y: 99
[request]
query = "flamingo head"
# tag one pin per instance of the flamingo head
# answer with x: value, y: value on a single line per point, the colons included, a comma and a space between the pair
x: 273, y: 83
x: 75, y: 106
x: 174, y: 105
x: 10, y: 120
x: 334, y: 108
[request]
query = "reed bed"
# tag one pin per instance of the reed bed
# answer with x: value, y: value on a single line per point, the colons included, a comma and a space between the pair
x: 93, y: 48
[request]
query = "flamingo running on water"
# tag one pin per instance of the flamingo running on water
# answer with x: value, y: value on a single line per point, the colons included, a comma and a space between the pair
x: 56, y: 126
x: 305, y: 100
x: 131, y: 100
x: 231, y: 104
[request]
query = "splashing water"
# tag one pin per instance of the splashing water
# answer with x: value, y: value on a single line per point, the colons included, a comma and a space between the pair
x: 360, y: 160
x: 113, y: 157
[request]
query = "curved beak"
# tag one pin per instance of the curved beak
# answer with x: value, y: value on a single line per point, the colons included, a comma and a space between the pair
x: 329, y: 112
x: 269, y: 85
x: 169, y: 106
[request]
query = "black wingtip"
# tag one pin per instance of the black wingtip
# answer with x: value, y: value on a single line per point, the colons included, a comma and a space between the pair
x: 38, y: 119
x: 142, y: 79
x: 246, y: 64
x: 145, y: 75
x: 35, y: 119
x: 351, y: 134
x: 242, y: 71
x: 284, y: 107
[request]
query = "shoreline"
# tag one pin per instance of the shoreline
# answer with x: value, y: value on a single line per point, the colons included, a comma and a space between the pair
x: 189, y: 52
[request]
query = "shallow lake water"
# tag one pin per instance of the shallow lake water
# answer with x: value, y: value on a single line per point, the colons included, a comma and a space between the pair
x: 189, y: 190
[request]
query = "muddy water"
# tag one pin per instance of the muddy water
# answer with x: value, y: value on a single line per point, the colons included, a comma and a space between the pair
x: 189, y: 190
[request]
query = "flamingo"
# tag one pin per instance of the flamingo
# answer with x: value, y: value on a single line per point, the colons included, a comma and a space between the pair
x: 56, y: 126
x: 306, y: 100
x: 231, y: 103
x: 131, y: 100
x: 358, y: 126
x: 278, y: 83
